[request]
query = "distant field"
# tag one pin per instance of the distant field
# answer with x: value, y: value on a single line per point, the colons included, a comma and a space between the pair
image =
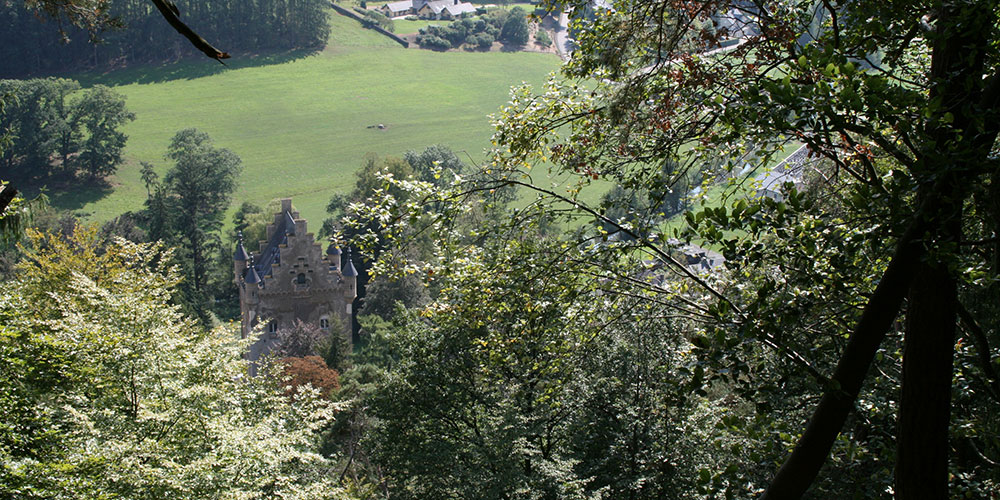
x: 300, y: 122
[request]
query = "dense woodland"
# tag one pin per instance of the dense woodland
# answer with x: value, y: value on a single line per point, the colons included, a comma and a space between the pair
x: 519, y: 342
x: 57, y: 133
x: 32, y: 43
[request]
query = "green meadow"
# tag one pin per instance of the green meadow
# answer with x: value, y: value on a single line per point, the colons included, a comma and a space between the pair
x: 302, y: 123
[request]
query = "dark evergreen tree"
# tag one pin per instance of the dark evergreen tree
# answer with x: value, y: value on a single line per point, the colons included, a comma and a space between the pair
x: 197, y: 193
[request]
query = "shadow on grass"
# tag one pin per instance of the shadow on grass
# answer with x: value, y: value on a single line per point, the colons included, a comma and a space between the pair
x: 74, y: 198
x: 187, y: 68
x: 64, y: 192
x: 511, y: 47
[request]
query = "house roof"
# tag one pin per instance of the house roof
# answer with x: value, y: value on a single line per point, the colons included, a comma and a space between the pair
x: 435, y: 7
x: 272, y: 252
x: 402, y: 6
x: 460, y: 8
x: 789, y: 170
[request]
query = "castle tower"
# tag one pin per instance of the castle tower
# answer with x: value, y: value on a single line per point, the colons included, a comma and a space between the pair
x: 290, y: 278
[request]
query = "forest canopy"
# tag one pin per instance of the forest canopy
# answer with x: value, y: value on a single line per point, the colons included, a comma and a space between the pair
x: 543, y: 345
x: 133, y: 31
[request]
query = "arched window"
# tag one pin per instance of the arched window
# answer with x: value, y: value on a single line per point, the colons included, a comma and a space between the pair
x: 301, y: 279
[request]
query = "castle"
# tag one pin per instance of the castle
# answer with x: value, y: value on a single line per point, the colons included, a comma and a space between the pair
x: 290, y: 278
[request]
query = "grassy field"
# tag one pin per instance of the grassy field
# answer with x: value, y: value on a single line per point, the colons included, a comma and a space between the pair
x: 300, y: 122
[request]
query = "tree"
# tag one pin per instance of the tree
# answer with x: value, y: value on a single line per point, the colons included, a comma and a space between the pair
x: 515, y: 28
x: 198, y: 189
x: 56, y: 134
x: 907, y: 149
x: 101, y: 112
x: 310, y: 370
x: 299, y: 341
x: 117, y: 395
x: 437, y: 164
x: 872, y: 264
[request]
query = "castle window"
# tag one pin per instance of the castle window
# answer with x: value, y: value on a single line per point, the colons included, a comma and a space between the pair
x: 272, y: 327
x: 324, y: 323
x: 301, y: 279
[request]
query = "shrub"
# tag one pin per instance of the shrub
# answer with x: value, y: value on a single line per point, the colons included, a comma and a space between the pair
x: 412, y: 18
x: 484, y: 41
x: 376, y: 18
x: 455, y: 34
x: 434, y: 42
x: 542, y: 38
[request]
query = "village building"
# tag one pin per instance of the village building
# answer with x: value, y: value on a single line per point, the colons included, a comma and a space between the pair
x: 437, y: 9
x: 773, y: 182
x: 291, y: 278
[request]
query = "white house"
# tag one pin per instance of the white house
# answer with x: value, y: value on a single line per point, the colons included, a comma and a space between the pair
x: 436, y: 9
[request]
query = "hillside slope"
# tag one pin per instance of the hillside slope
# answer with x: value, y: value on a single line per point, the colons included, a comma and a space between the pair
x: 301, y: 122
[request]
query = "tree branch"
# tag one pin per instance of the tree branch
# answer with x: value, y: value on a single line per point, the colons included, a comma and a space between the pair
x: 801, y: 467
x: 172, y: 14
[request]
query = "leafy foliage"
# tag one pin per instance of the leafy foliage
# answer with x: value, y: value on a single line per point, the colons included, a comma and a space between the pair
x: 119, y: 396
x: 515, y: 28
x: 311, y: 370
x: 55, y: 134
x: 840, y: 301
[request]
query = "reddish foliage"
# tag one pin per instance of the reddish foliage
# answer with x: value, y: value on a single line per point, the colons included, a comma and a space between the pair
x: 310, y: 370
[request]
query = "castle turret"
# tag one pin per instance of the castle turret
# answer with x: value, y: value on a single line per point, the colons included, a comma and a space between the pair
x: 350, y: 275
x: 240, y: 258
x: 333, y: 256
x: 252, y: 277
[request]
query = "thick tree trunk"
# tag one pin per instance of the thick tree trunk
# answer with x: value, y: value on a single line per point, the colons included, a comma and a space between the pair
x: 925, y: 406
x: 952, y: 156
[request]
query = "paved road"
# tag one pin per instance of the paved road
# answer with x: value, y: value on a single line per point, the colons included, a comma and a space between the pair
x: 563, y: 42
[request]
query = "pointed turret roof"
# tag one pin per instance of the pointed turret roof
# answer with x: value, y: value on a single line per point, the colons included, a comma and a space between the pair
x: 333, y: 249
x: 347, y: 266
x: 241, y: 253
x: 252, y: 277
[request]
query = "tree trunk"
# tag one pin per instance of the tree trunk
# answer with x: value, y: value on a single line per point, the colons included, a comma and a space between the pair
x: 925, y: 406
x: 952, y: 154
